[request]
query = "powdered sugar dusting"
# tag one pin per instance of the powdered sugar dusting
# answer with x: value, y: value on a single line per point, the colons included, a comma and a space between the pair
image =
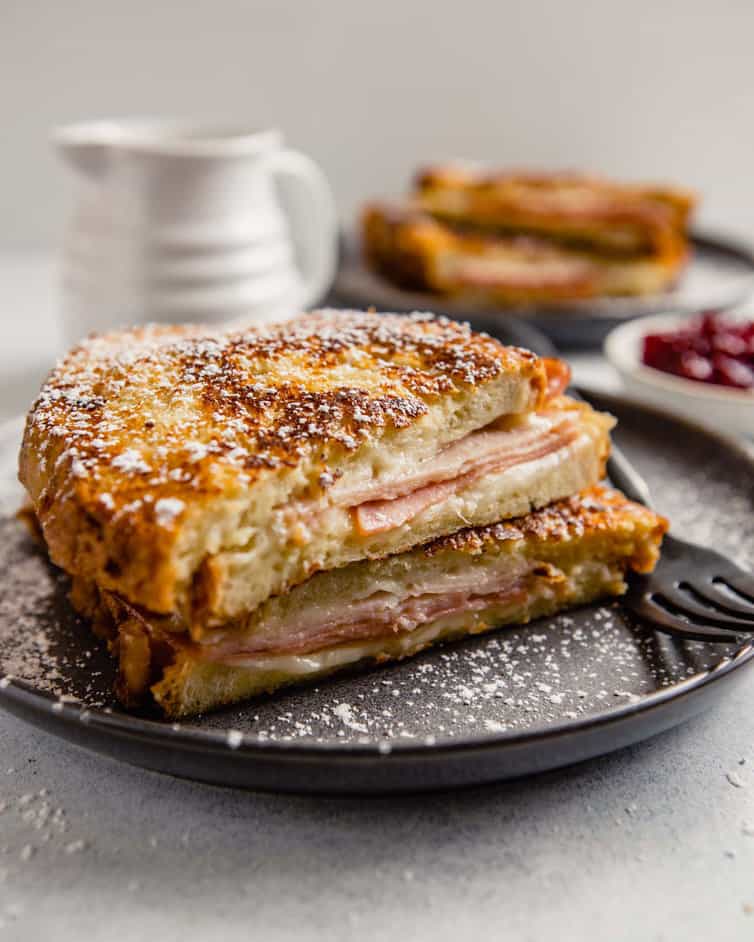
x: 41, y: 641
x: 167, y: 509
x: 208, y: 406
x: 345, y: 713
x: 130, y: 461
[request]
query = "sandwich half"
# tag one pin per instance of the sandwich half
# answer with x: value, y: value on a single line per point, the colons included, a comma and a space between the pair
x: 195, y: 474
x: 372, y: 611
x: 417, y: 252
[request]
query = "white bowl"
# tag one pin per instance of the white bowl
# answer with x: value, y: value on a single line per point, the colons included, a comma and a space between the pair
x: 725, y: 409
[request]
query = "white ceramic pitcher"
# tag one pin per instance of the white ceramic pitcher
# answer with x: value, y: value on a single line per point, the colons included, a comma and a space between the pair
x: 179, y: 221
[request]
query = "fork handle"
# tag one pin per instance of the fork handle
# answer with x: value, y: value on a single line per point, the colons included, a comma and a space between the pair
x: 625, y: 477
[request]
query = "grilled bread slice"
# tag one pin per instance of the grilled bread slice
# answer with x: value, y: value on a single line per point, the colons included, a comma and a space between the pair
x: 587, y: 211
x: 197, y: 473
x: 415, y: 251
x: 570, y: 553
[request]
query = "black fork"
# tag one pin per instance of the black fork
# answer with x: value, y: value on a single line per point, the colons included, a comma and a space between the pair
x: 694, y: 592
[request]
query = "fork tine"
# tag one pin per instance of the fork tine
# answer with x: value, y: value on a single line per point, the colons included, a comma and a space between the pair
x: 715, y: 595
x: 672, y: 624
x: 741, y: 581
x: 694, y: 610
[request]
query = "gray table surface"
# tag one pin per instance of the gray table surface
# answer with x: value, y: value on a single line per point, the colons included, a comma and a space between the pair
x: 653, y: 843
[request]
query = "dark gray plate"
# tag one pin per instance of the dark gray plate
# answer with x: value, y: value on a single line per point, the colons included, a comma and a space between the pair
x: 512, y: 703
x: 719, y: 276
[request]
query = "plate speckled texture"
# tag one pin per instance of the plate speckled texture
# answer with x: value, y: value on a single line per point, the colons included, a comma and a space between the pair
x: 720, y: 274
x: 514, y: 702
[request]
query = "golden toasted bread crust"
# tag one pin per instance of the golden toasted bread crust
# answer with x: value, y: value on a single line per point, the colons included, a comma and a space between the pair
x: 135, y: 432
x: 595, y: 512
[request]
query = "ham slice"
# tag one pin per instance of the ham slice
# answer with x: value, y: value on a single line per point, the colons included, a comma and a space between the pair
x: 379, y: 516
x: 454, y: 459
x: 485, y: 452
x: 494, y: 448
x: 386, y: 608
x: 375, y: 620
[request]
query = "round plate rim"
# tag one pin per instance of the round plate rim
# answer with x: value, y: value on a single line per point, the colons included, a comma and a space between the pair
x: 124, y: 726
x: 40, y: 707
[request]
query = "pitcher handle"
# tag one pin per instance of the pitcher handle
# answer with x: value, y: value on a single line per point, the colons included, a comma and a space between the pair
x: 309, y: 202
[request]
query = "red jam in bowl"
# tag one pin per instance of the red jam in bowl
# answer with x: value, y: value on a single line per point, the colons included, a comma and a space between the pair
x: 708, y: 349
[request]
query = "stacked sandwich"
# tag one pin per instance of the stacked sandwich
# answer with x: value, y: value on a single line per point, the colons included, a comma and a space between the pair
x: 495, y: 239
x: 242, y: 510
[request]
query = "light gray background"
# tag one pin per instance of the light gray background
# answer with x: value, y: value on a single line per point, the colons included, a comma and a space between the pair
x: 651, y: 88
x: 652, y: 844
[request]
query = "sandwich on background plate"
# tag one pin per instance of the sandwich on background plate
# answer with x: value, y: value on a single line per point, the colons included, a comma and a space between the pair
x: 514, y: 238
x: 240, y: 510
